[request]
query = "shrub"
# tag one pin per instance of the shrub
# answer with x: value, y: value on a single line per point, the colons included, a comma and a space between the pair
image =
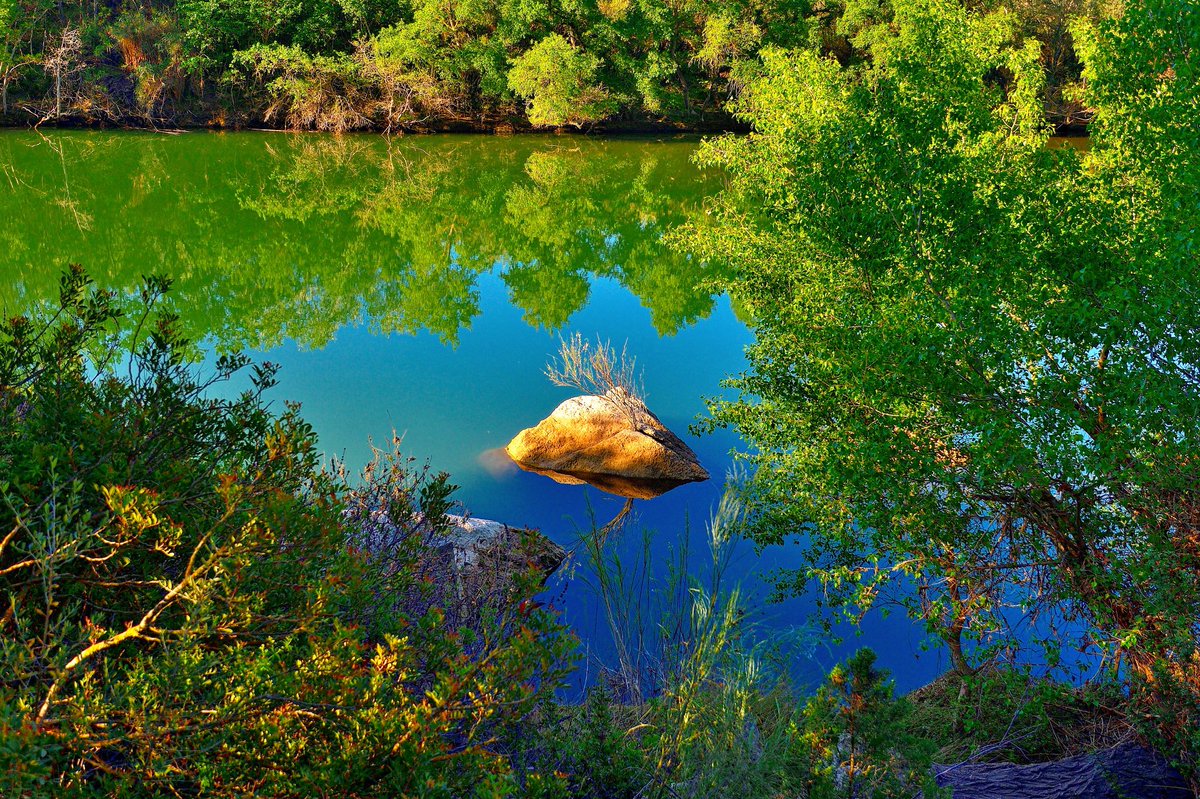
x: 858, y: 738
x: 182, y: 613
x: 328, y: 93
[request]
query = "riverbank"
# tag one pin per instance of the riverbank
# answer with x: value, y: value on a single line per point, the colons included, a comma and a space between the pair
x: 499, y: 125
x: 417, y: 67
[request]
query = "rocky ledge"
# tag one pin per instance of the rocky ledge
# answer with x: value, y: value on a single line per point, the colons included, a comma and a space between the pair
x: 1127, y: 771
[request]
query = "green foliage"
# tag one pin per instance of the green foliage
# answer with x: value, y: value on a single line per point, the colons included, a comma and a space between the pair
x: 851, y: 740
x: 320, y: 92
x: 342, y: 64
x: 975, y: 367
x: 558, y: 81
x: 727, y: 40
x: 449, y: 56
x: 596, y: 746
x: 182, y: 612
x: 151, y: 49
x: 861, y: 738
x: 18, y: 52
x: 353, y: 229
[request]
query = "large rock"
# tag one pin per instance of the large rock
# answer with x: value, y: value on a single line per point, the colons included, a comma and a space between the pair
x: 481, y: 562
x: 611, y: 441
x: 1123, y: 772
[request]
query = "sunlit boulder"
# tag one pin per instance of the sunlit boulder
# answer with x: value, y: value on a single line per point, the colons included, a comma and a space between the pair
x: 611, y: 441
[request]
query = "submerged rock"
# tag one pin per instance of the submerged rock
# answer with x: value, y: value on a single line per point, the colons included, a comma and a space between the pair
x: 1123, y: 772
x: 611, y: 441
x: 496, y: 462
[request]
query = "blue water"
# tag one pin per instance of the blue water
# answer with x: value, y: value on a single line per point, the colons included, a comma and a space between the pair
x: 452, y: 404
x: 314, y: 252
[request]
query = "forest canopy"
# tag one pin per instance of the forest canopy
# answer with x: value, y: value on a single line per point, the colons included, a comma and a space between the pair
x: 438, y: 64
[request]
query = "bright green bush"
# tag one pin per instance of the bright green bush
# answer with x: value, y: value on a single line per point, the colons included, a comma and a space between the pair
x: 558, y: 80
x: 182, y: 613
x: 973, y: 387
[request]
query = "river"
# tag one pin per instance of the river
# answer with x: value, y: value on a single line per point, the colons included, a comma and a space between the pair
x: 418, y: 286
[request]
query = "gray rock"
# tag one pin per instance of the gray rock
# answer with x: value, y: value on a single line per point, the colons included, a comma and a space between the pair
x: 466, y: 563
x: 484, y: 547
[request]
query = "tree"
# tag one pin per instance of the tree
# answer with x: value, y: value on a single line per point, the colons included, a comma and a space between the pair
x: 860, y: 738
x: 64, y: 63
x: 12, y: 39
x: 975, y: 372
x: 558, y: 80
x: 323, y: 92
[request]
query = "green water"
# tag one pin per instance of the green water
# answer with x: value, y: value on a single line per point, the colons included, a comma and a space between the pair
x: 418, y: 285
x: 291, y: 237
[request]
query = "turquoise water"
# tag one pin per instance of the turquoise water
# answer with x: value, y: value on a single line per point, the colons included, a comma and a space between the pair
x: 419, y: 286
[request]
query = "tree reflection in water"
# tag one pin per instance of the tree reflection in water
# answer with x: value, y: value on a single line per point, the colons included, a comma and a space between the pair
x: 270, y: 236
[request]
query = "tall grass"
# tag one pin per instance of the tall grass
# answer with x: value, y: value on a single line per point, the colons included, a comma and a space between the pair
x: 708, y: 711
x: 695, y: 701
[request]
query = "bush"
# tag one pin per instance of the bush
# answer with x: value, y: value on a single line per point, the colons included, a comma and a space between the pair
x: 860, y: 738
x: 559, y: 81
x: 182, y: 613
x: 851, y: 740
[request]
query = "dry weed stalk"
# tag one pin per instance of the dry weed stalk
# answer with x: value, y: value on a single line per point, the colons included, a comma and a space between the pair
x: 602, y: 371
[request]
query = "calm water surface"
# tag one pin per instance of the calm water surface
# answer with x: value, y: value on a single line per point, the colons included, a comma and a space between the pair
x: 419, y: 286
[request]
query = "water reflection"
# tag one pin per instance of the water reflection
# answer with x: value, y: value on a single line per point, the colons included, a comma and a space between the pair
x: 620, y: 485
x: 272, y: 237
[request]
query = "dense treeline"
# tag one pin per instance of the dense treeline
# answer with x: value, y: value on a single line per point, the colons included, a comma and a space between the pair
x: 435, y: 64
